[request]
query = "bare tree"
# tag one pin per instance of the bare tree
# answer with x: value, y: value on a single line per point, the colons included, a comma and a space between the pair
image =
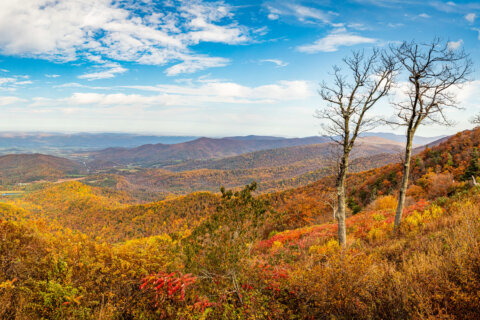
x: 347, y: 103
x: 475, y: 120
x: 433, y: 70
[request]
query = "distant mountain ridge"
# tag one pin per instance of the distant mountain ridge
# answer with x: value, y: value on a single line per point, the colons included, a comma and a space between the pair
x: 31, y: 140
x: 68, y: 144
x: 202, y: 148
x: 215, y: 148
x: 366, y: 146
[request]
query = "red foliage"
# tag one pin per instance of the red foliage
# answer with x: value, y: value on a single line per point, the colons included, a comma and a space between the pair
x: 271, y: 276
x: 168, y: 285
x: 202, y: 304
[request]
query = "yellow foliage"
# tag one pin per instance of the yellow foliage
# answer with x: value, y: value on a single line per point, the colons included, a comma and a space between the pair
x: 376, y: 234
x: 420, y: 218
x: 327, y: 248
x: 9, y: 284
x: 384, y: 203
x: 277, y: 245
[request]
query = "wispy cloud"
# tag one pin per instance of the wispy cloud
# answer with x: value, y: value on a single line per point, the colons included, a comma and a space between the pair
x: 277, y: 62
x: 455, y: 7
x: 110, y: 70
x: 302, y: 13
x: 192, y: 93
x: 13, y: 82
x: 193, y: 64
x: 7, y: 100
x: 470, y: 17
x: 52, y: 75
x: 453, y: 45
x: 334, y: 40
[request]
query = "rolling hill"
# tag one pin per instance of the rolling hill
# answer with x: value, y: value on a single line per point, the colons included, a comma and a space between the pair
x: 320, y: 153
x: 16, y: 168
x: 150, y: 184
x: 202, y: 148
x: 274, y: 169
x: 208, y: 148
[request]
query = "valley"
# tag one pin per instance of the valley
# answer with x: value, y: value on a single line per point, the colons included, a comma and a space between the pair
x: 200, y: 165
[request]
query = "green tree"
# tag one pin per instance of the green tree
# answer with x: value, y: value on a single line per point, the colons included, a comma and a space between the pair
x: 473, y: 169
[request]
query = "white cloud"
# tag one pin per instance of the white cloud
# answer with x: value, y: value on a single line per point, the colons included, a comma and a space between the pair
x: 68, y: 30
x: 111, y: 70
x: 453, y: 45
x: 357, y: 26
x: 304, y: 13
x: 277, y: 62
x: 273, y: 16
x: 20, y: 83
x: 467, y: 94
x: 274, y: 13
x: 220, y: 91
x: 7, y: 80
x: 11, y: 83
x: 78, y: 85
x: 193, y: 64
x: 189, y: 94
x: 424, y: 15
x: 471, y: 17
x: 338, y: 38
x: 52, y: 75
x: 300, y: 12
x: 7, y: 100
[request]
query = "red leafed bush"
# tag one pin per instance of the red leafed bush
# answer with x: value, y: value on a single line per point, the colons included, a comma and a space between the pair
x: 167, y: 285
x: 202, y: 304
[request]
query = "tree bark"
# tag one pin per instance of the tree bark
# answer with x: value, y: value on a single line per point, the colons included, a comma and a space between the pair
x: 341, y: 207
x: 404, y: 184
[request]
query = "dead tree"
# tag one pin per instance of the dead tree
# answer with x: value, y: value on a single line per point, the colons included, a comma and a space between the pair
x: 432, y: 71
x: 345, y: 114
x: 475, y: 120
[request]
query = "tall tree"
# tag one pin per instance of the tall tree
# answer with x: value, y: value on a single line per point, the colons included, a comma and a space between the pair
x: 433, y: 70
x: 347, y: 102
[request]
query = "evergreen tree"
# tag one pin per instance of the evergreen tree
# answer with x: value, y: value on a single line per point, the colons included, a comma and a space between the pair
x: 474, y: 168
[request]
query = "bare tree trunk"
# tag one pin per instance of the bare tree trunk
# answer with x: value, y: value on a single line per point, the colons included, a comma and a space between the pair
x: 341, y: 210
x: 474, y: 182
x: 404, y: 185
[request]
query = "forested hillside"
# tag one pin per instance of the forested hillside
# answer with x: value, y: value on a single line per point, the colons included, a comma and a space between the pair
x: 274, y: 169
x: 270, y: 179
x: 75, y: 251
x: 208, y: 148
x: 289, y: 155
x: 15, y: 168
x: 202, y: 148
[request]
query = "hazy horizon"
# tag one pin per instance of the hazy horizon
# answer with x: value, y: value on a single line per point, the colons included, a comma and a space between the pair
x: 190, y: 136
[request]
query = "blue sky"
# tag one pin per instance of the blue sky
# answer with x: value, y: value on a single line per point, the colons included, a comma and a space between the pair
x: 213, y: 68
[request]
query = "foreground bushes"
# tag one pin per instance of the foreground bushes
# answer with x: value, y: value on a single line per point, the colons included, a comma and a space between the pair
x: 225, y: 269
